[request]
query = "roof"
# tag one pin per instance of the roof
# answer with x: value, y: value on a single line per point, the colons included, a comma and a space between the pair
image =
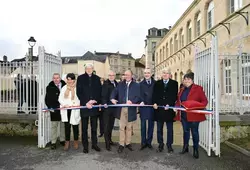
x: 70, y: 59
x: 138, y: 64
x: 124, y: 56
x: 90, y: 56
x: 35, y: 58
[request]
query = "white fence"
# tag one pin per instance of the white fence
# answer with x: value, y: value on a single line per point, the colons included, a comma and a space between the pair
x: 48, y: 65
x: 207, y: 75
x: 19, y: 87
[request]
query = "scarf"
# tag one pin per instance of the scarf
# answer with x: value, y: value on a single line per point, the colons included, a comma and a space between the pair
x: 70, y: 88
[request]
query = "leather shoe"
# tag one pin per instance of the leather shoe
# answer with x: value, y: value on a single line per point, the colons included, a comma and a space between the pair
x: 129, y: 146
x: 96, y: 148
x: 184, y: 149
x: 170, y: 149
x: 112, y: 143
x: 53, y: 146
x: 196, y: 154
x: 62, y: 143
x: 143, y: 146
x: 85, y: 150
x: 150, y: 146
x: 120, y: 149
x: 101, y: 135
x: 160, y: 148
x: 108, y: 147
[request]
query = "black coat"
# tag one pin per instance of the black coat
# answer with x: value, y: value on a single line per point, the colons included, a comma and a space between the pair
x: 89, y: 88
x: 107, y: 89
x: 163, y: 96
x: 51, y: 100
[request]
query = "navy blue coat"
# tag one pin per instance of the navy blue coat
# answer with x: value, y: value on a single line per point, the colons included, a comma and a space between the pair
x: 119, y: 93
x: 147, y: 113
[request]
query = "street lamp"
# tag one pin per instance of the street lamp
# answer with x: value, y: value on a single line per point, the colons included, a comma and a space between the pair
x: 32, y: 43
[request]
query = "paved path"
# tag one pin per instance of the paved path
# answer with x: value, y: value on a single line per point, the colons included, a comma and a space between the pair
x: 22, y: 153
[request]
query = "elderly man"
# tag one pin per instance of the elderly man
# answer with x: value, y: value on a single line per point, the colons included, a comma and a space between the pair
x: 109, y: 113
x: 89, y: 90
x: 147, y: 113
x: 51, y: 100
x: 127, y: 92
x: 165, y: 94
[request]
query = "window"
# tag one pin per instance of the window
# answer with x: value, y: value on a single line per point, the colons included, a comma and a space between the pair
x: 181, y: 38
x: 153, y: 32
x: 198, y: 25
x: 189, y: 32
x: 167, y: 50
x: 160, y: 55
x: 246, y: 74
x: 235, y: 5
x: 210, y: 15
x: 163, y: 53
x: 159, y: 33
x: 115, y: 61
x: 171, y: 46
x: 153, y: 45
x: 228, y: 83
x: 175, y: 42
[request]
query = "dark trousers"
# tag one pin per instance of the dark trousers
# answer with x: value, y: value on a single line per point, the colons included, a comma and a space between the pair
x: 101, y: 124
x: 194, y: 127
x: 147, y: 133
x: 109, y: 120
x: 68, y: 129
x: 170, y: 133
x: 93, y: 124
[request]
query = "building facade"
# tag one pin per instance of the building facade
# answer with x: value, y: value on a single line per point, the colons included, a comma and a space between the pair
x: 228, y: 19
x: 152, y: 39
x: 102, y: 61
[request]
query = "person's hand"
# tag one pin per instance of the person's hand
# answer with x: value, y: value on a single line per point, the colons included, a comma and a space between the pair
x: 129, y: 102
x: 65, y: 106
x: 52, y: 111
x: 105, y: 106
x: 92, y: 102
x: 114, y: 101
x: 100, y: 109
x: 175, y: 110
x: 89, y: 106
x: 166, y: 107
x: 155, y: 106
x: 142, y: 103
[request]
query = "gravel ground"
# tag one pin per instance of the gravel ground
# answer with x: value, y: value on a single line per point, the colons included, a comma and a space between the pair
x: 22, y: 153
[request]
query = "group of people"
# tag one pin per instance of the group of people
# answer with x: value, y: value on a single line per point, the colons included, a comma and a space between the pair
x: 88, y: 91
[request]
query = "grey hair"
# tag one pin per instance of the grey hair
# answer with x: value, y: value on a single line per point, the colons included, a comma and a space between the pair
x: 111, y: 71
x: 167, y: 71
x: 56, y: 74
x: 89, y: 65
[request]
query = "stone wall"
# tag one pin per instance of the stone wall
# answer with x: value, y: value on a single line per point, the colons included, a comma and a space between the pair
x: 18, y: 129
x: 233, y: 132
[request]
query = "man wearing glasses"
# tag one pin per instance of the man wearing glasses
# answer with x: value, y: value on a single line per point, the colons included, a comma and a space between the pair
x: 109, y: 113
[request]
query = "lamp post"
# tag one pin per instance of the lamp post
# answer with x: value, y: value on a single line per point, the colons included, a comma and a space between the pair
x: 32, y: 43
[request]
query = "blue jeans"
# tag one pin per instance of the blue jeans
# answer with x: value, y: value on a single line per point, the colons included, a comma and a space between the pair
x: 194, y: 127
x: 147, y: 138
x: 170, y: 133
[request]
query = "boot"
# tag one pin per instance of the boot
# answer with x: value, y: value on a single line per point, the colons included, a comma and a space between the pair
x: 196, y: 153
x: 184, y: 150
x: 66, y: 146
x: 76, y: 146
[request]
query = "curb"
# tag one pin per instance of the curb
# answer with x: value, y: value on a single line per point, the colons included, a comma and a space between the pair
x: 238, y: 148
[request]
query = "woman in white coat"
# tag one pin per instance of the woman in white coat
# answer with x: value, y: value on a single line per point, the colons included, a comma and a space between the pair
x: 68, y: 98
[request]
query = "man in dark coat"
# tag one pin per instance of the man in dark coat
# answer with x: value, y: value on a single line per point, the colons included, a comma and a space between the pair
x: 165, y: 94
x: 88, y: 90
x: 127, y: 92
x: 147, y: 113
x: 21, y: 92
x: 32, y: 95
x: 109, y: 113
x: 51, y: 100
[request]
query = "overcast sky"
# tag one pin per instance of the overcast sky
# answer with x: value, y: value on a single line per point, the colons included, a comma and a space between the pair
x: 77, y: 26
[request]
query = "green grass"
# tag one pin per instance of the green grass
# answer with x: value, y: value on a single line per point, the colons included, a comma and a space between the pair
x: 242, y: 142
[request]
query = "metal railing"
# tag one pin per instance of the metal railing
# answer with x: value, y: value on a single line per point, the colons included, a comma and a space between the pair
x: 19, y: 87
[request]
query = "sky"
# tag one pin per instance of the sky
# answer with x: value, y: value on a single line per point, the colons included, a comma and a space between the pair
x: 77, y: 26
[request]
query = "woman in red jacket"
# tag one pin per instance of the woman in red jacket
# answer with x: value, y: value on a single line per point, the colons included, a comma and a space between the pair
x: 191, y: 96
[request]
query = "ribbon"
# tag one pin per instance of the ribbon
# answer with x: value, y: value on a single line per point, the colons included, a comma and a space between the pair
x: 128, y: 105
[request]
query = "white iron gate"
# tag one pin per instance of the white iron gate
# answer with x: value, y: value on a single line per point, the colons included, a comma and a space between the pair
x: 48, y: 65
x: 207, y: 75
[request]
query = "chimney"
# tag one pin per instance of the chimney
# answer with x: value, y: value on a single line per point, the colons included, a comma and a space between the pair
x: 129, y: 54
x: 5, y: 58
x: 169, y: 27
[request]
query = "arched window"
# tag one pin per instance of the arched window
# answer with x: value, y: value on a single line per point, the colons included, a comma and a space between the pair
x: 181, y: 77
x: 160, y: 55
x: 167, y: 55
x: 189, y: 32
x: 175, y: 76
x: 235, y: 5
x: 210, y: 15
x: 171, y: 46
x: 181, y: 37
x: 163, y: 53
x: 176, y: 42
x: 198, y: 25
